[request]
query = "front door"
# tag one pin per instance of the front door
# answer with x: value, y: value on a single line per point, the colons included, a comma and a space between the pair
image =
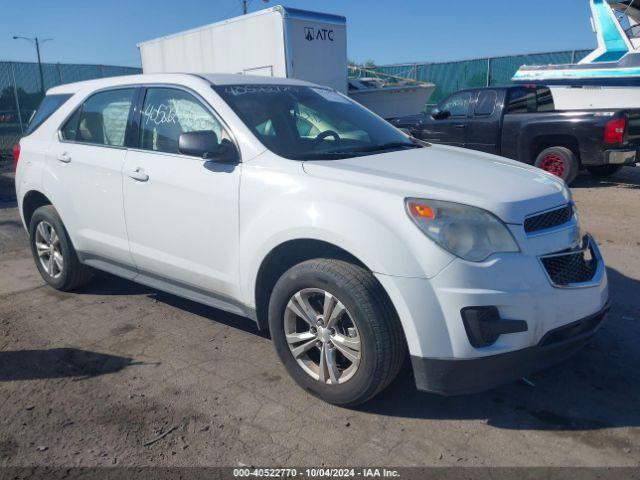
x: 450, y: 130
x: 181, y: 212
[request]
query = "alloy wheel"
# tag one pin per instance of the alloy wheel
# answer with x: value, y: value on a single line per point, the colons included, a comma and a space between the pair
x: 553, y: 163
x: 322, y: 336
x: 48, y: 249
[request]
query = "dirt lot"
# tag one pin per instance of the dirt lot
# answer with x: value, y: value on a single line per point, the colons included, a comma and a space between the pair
x: 96, y: 377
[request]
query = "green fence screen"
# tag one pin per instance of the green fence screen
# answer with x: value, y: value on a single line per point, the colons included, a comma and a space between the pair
x: 21, y: 91
x: 452, y: 76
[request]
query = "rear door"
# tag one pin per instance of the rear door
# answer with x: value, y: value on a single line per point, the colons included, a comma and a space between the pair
x: 85, y: 180
x: 452, y: 129
x: 483, y: 127
x: 181, y: 211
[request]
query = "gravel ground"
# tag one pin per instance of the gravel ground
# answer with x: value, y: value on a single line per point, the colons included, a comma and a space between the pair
x: 119, y: 374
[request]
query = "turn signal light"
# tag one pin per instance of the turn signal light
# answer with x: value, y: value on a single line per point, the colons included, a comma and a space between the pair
x: 421, y: 210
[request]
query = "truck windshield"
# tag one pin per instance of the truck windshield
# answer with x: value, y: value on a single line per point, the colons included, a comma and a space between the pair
x: 311, y: 123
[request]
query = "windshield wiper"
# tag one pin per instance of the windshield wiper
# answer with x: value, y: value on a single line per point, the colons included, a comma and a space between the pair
x: 325, y: 155
x: 388, y: 146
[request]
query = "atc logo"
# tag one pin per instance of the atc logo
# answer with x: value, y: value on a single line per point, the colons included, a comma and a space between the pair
x: 311, y: 34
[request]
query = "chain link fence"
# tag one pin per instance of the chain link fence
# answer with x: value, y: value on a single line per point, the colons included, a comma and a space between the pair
x: 21, y: 91
x: 450, y: 77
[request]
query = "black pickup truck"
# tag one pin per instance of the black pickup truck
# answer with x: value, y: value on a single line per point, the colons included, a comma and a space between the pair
x: 522, y: 123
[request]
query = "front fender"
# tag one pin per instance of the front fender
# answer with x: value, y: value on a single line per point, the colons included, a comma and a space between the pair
x: 371, y: 226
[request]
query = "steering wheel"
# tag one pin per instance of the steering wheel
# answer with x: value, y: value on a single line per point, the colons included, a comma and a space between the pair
x: 327, y: 133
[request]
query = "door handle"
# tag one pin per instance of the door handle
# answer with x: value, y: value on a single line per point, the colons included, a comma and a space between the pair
x: 138, y: 174
x: 460, y: 125
x: 64, y: 157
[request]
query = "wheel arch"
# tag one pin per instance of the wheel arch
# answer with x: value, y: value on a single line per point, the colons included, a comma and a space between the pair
x: 31, y: 201
x: 542, y: 142
x: 284, y: 256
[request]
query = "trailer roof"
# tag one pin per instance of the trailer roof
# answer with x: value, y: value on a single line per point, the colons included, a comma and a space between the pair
x: 286, y: 12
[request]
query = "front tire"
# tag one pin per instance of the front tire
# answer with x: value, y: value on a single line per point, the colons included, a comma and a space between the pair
x: 560, y: 161
x: 53, y: 252
x: 336, y: 331
x: 603, y: 171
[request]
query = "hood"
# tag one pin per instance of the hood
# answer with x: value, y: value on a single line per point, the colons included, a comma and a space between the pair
x: 509, y: 189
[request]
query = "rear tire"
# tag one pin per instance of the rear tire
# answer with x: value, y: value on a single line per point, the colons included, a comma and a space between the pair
x: 559, y: 161
x: 367, y: 319
x: 603, y: 171
x: 53, y: 252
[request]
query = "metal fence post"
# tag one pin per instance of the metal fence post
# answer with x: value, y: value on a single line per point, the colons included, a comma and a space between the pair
x: 488, y: 71
x: 15, y: 95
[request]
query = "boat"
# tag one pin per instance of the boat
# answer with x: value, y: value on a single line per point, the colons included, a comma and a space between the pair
x: 609, y: 77
x: 389, y: 96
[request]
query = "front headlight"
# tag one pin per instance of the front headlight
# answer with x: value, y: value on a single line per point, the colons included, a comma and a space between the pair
x: 468, y: 232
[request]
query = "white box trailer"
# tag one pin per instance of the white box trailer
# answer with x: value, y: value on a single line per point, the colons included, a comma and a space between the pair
x: 277, y: 41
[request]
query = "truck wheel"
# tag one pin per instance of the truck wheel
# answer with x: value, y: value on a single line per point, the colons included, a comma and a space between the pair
x: 560, y: 161
x: 603, y: 171
x: 335, y: 331
x: 53, y: 252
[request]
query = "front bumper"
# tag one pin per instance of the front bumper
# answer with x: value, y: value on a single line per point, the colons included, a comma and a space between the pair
x: 464, y: 376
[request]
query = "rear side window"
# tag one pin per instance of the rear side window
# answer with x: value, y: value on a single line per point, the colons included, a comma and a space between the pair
x: 521, y: 100
x: 486, y: 102
x: 530, y: 100
x: 102, y: 119
x: 49, y: 104
x: 544, y: 100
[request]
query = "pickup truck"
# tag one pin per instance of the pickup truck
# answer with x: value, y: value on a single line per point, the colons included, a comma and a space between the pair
x: 522, y: 123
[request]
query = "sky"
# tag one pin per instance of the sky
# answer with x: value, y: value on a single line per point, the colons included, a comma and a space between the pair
x: 107, y: 31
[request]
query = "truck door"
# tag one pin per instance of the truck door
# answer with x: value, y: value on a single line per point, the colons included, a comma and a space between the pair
x: 483, y: 127
x: 449, y: 126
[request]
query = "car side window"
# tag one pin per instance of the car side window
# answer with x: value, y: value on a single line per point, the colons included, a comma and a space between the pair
x: 102, y: 118
x: 457, y: 105
x: 486, y: 103
x: 522, y: 100
x: 167, y: 113
x: 70, y: 129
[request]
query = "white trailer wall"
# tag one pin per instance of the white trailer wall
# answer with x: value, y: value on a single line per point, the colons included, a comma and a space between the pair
x: 252, y: 44
x: 278, y: 41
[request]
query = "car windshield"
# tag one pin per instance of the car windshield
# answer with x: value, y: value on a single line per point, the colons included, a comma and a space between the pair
x: 311, y: 123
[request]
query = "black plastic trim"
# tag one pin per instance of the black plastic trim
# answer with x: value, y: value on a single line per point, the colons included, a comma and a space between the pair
x: 464, y: 376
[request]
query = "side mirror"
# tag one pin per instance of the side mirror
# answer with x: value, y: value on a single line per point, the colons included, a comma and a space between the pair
x: 438, y: 114
x: 204, y: 144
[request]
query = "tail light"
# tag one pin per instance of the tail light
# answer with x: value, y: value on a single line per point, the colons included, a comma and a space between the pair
x: 614, y: 130
x: 16, y: 155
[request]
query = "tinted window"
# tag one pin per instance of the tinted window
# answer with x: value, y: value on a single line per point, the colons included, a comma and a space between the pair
x: 300, y: 122
x: 167, y: 113
x: 486, y: 102
x: 70, y: 129
x: 521, y: 100
x: 457, y: 105
x: 103, y: 118
x: 544, y: 100
x: 49, y: 104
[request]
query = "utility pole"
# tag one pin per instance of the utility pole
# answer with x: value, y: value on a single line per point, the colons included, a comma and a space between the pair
x: 36, y: 41
x: 245, y: 5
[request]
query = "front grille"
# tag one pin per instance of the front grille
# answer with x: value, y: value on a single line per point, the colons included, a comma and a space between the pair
x: 577, y: 267
x: 549, y: 219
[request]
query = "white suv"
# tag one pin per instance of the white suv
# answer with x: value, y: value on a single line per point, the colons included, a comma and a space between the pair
x: 288, y: 203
